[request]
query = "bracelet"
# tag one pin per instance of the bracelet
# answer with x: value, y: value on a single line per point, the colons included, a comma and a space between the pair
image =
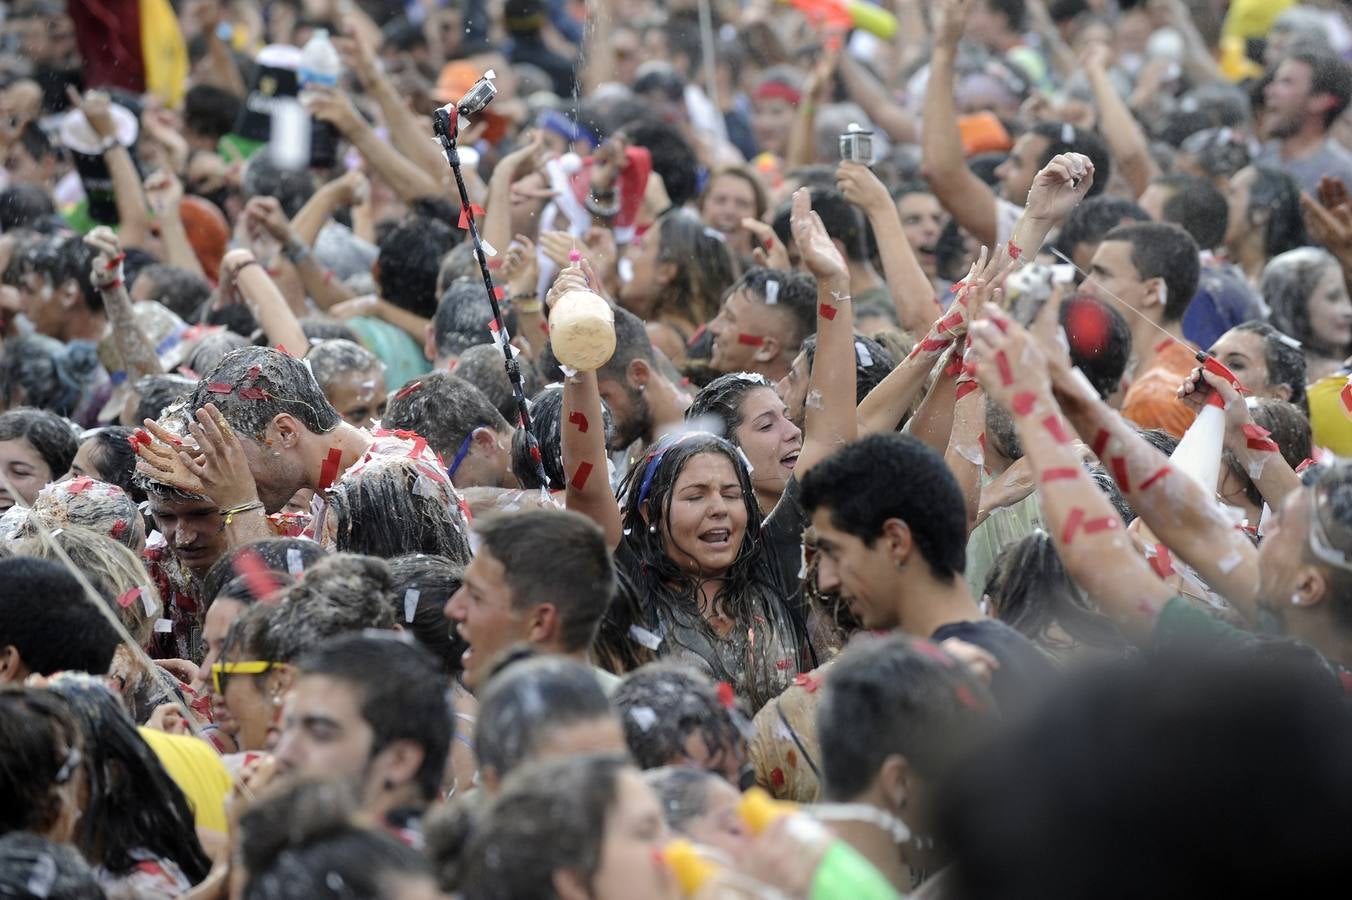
x: 234, y: 273
x: 233, y: 511
x: 295, y: 251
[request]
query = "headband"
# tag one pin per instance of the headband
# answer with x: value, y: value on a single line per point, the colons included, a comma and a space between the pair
x: 778, y: 90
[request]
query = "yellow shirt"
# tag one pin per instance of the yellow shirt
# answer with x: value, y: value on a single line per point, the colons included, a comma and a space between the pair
x: 1331, y: 427
x: 199, y: 773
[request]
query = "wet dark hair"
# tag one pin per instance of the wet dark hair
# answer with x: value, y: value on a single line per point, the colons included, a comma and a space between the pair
x: 1089, y: 222
x: 662, y: 704
x: 275, y: 556
x: 546, y: 424
x: 683, y: 792
x: 331, y: 359
x: 304, y: 841
x: 648, y: 491
x: 434, y: 580
x: 51, y: 375
x: 396, y: 505
x: 1285, y: 363
x: 1198, y: 207
x: 1277, y: 193
x: 63, y: 258
x: 1288, y: 284
x: 896, y: 696
x: 410, y: 257
x: 673, y: 158
x: 1219, y: 152
x: 290, y: 188
x: 844, y: 222
x: 1160, y: 250
x: 402, y: 693
x: 113, y: 458
x: 579, y: 581
x: 527, y: 701
x: 156, y: 392
x: 1043, y: 810
x: 1032, y: 592
x: 212, y: 348
x: 287, y: 385
x: 482, y: 366
x: 34, y: 724
x: 722, y: 398
x: 893, y: 476
x: 631, y: 343
x: 444, y: 409
x: 462, y: 317
x: 210, y: 111
x: 549, y: 816
x: 180, y: 291
x: 705, y: 267
x: 133, y: 803
x: 47, y: 617
x: 47, y: 433
x: 340, y: 594
x: 34, y: 868
x: 796, y: 300
x: 866, y: 377
x: 1082, y: 141
x: 23, y: 205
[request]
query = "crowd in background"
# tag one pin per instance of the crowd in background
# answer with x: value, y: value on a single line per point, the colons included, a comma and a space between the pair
x: 962, y: 512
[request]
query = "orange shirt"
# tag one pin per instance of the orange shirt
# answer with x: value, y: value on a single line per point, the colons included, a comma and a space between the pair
x: 1152, y: 400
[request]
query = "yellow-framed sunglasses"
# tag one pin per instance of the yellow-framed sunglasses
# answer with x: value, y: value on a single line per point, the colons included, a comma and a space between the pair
x: 244, y: 667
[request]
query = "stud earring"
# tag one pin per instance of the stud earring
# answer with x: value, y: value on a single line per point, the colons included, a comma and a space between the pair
x: 652, y: 529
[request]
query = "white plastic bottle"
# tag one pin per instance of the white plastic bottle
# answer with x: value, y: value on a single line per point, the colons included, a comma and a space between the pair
x: 320, y: 65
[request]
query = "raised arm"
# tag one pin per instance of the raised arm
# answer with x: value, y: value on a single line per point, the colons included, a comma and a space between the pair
x: 496, y: 225
x: 584, y: 455
x: 404, y: 176
x: 1187, y: 519
x: 133, y: 220
x: 352, y: 188
x: 912, y: 293
x: 829, y: 417
x: 1056, y: 190
x: 963, y: 194
x: 1087, y: 530
x: 165, y: 193
x: 264, y: 300
x: 1126, y: 139
x: 137, y: 352
x: 816, y: 90
x: 409, y: 132
x: 865, y: 89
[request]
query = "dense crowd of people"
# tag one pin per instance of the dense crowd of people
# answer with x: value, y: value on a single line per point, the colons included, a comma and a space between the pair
x: 675, y: 448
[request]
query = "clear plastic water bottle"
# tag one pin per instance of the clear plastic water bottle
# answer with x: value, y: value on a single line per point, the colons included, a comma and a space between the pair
x: 320, y: 65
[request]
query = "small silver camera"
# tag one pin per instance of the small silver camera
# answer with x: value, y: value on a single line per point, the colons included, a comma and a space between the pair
x: 1027, y: 289
x: 478, y: 96
x: 856, y: 145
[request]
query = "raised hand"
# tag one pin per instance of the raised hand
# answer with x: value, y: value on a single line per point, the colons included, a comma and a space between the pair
x: 220, y: 465
x: 861, y: 187
x: 164, y: 192
x: 771, y: 254
x: 818, y: 252
x: 97, y: 107
x: 1329, y: 218
x: 1060, y: 186
x: 266, y: 213
x: 1009, y: 363
x: 333, y: 106
x: 106, y: 269
x: 950, y: 21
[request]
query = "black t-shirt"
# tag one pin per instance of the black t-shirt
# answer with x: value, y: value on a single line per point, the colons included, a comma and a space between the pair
x: 1024, y: 671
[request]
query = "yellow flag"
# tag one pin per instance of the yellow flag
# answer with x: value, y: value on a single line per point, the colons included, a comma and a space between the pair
x: 163, y: 52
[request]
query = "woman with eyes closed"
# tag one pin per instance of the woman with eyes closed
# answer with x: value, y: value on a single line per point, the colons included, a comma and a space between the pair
x: 715, y: 581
